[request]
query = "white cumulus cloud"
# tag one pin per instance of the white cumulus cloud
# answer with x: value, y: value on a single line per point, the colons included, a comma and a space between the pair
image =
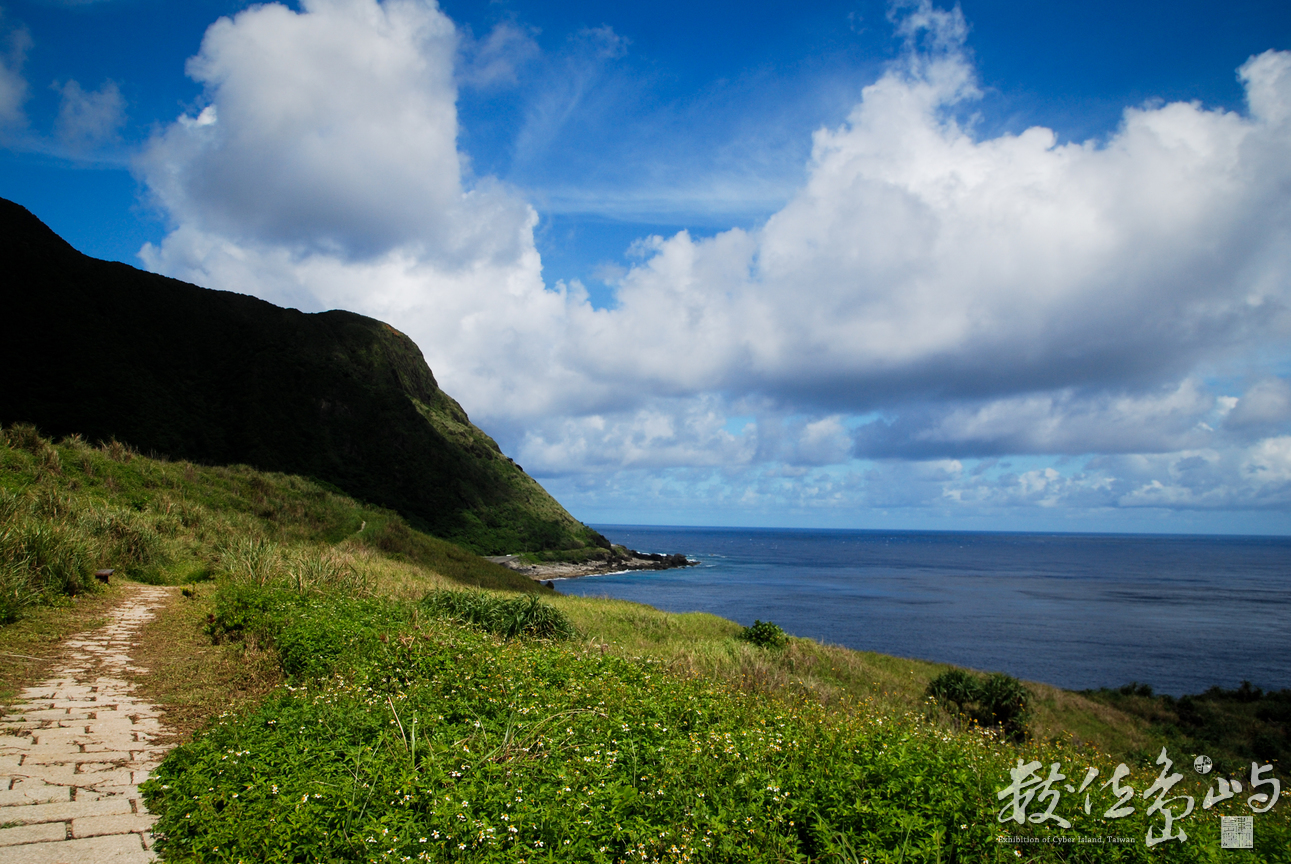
x: 335, y: 130
x: 13, y: 86
x: 925, y: 295
x: 89, y: 119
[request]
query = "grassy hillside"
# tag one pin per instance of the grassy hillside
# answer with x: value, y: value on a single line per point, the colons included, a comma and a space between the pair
x: 69, y: 509
x: 109, y: 352
x: 373, y: 711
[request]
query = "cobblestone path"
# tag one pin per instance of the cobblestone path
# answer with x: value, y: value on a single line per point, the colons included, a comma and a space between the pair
x: 76, y: 748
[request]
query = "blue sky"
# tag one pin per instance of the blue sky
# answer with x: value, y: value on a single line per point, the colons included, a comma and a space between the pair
x: 997, y: 266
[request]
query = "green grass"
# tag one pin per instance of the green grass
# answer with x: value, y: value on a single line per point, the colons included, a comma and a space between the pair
x: 70, y: 508
x: 1233, y: 727
x: 402, y: 736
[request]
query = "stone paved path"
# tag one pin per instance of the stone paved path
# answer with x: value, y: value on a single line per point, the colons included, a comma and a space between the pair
x: 73, y: 754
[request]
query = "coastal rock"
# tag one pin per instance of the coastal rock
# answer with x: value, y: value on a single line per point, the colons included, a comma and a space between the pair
x: 619, y: 560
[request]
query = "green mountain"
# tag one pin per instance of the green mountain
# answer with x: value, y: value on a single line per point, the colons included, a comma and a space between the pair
x: 107, y: 351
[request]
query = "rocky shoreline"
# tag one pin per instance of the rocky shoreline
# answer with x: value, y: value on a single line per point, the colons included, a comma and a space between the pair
x: 632, y: 560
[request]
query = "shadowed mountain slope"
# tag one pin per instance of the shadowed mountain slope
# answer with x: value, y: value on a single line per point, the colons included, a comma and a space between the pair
x: 108, y: 351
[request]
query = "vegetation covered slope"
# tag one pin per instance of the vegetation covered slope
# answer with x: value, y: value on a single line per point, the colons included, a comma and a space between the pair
x: 70, y: 509
x: 107, y: 351
x: 416, y: 724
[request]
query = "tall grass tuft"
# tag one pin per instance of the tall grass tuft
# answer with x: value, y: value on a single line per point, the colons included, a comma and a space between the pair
x: 42, y: 554
x: 38, y: 562
x: 328, y: 571
x: 509, y: 618
x: 25, y: 436
x: 127, y: 537
x: 118, y: 452
x: 11, y: 504
x: 16, y: 591
x: 251, y: 559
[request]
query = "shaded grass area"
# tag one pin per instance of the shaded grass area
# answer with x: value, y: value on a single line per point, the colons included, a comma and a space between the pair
x: 70, y: 508
x: 1232, y: 727
x: 416, y: 738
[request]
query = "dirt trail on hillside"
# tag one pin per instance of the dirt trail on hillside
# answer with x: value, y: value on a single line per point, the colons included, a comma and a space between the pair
x: 75, y: 748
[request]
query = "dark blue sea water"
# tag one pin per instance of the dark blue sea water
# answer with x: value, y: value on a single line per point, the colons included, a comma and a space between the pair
x: 1077, y: 611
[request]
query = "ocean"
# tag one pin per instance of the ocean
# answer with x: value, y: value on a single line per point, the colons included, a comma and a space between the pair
x: 1180, y: 613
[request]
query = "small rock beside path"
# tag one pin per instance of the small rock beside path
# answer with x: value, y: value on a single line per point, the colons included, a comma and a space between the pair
x: 75, y: 748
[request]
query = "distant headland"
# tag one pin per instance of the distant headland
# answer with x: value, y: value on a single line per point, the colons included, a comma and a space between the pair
x: 110, y: 352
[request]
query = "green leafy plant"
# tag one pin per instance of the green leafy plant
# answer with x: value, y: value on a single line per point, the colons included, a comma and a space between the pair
x: 954, y: 687
x: 1005, y: 702
x: 998, y: 701
x: 764, y: 634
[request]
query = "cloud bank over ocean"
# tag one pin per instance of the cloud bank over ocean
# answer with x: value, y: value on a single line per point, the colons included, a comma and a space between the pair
x: 1111, y: 315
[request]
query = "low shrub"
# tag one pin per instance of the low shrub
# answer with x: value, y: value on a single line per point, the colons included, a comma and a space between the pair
x: 240, y: 610
x: 315, y: 638
x: 1004, y: 702
x: 1134, y: 688
x: 996, y: 701
x: 955, y: 687
x: 311, y: 633
x: 764, y: 634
